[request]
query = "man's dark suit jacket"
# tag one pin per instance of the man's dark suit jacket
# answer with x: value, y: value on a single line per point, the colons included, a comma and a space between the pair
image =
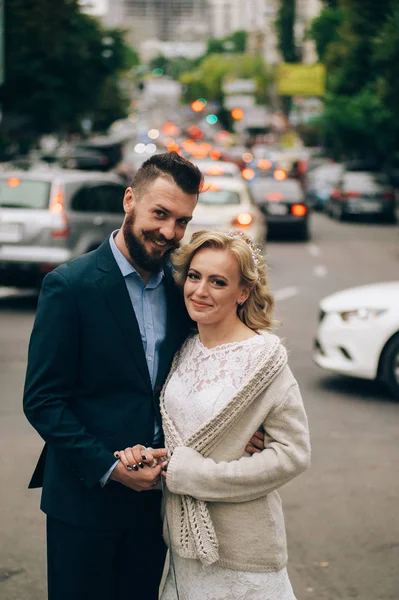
x: 88, y: 390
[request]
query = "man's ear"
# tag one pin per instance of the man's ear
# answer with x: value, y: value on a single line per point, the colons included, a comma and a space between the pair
x: 128, y: 200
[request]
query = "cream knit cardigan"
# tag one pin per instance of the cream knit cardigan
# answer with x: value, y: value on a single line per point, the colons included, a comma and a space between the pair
x: 221, y: 504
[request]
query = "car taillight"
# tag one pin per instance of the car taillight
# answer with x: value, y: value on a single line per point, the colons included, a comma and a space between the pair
x: 248, y: 174
x: 57, y: 208
x: 299, y: 210
x: 243, y: 220
x: 336, y: 193
x: 388, y: 196
x: 351, y: 195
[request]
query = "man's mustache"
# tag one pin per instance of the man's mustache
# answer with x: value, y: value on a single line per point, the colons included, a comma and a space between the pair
x: 170, y: 244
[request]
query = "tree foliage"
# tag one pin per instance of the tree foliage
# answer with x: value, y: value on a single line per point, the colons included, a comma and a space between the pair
x: 207, y: 80
x: 285, y: 30
x: 59, y: 65
x: 358, y: 41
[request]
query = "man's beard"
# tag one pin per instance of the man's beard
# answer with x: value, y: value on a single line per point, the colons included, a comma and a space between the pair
x: 153, y: 262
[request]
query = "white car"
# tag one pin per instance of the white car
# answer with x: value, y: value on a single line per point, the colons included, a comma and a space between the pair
x: 227, y: 204
x: 358, y: 333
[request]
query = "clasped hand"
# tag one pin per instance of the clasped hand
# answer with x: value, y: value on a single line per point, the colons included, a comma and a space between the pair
x: 139, y: 467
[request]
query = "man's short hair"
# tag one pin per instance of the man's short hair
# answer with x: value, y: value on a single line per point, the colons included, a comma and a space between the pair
x: 169, y: 165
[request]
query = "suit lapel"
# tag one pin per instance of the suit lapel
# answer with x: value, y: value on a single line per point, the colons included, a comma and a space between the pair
x: 113, y: 287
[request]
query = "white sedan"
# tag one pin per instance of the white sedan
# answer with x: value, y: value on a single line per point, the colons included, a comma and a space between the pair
x: 358, y: 333
x: 226, y: 204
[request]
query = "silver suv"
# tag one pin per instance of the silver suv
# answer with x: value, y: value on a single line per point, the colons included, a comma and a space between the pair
x: 50, y: 217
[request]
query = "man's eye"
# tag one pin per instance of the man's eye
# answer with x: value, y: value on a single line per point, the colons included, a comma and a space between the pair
x: 183, y: 222
x: 160, y: 213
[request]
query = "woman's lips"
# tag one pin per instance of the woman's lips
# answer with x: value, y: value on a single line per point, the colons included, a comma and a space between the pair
x: 199, y: 304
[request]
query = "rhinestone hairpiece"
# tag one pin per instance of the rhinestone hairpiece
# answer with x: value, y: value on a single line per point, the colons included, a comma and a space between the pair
x: 254, y: 250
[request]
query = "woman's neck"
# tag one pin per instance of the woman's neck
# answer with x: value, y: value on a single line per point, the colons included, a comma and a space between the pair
x: 225, y: 332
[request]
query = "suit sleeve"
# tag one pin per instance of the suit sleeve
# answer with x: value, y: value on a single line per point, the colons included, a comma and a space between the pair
x: 50, y: 382
x: 247, y: 478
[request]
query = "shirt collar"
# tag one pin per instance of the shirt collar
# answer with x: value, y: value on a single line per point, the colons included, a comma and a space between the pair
x: 126, y: 268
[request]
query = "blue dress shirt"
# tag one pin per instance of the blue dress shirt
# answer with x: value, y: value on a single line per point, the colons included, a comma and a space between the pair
x: 149, y: 305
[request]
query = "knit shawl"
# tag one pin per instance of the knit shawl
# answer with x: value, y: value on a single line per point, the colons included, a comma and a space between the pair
x: 198, y: 538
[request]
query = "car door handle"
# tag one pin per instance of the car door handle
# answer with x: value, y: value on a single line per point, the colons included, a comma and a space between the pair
x: 98, y: 220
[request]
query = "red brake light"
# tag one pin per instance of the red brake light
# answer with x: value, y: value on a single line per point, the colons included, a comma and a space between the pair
x: 248, y: 174
x: 243, y: 219
x: 280, y: 175
x: 57, y: 207
x: 299, y: 210
x: 336, y: 193
x: 352, y: 195
x: 388, y: 196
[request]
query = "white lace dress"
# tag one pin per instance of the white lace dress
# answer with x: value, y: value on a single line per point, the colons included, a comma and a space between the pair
x: 205, y: 380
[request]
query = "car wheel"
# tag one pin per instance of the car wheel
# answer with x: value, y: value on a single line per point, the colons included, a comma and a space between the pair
x: 304, y: 232
x: 390, y: 366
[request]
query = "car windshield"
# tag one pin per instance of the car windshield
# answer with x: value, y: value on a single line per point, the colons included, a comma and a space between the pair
x: 219, y: 197
x: 17, y: 193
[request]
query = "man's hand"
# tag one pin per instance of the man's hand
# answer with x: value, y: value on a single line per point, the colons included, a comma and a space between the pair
x: 143, y: 480
x: 256, y: 443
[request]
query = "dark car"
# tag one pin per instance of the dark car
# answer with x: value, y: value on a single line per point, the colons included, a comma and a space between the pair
x: 360, y: 193
x: 283, y: 204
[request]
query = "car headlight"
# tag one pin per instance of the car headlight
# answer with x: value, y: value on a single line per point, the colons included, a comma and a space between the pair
x: 362, y: 314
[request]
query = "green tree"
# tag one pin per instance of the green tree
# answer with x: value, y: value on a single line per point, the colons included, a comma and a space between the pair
x: 285, y: 30
x: 358, y: 42
x: 58, y: 62
x: 233, y: 43
x: 207, y: 80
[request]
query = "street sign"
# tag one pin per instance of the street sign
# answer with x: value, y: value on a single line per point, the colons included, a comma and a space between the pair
x: 301, y: 80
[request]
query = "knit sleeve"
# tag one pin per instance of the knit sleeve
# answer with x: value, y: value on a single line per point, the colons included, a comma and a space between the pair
x: 248, y: 478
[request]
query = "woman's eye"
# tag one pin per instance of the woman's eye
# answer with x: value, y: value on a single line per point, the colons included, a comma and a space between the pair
x: 192, y: 276
x: 219, y: 282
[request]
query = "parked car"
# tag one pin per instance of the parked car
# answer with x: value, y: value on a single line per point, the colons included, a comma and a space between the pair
x: 358, y: 333
x: 284, y: 205
x: 363, y: 193
x: 226, y: 204
x: 50, y: 217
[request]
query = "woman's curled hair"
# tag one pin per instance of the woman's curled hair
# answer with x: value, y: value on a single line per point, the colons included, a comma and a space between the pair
x: 257, y: 310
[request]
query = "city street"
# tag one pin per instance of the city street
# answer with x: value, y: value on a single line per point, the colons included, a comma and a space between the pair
x: 342, y: 515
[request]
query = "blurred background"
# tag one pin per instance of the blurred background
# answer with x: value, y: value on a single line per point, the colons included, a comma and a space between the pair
x: 291, y: 110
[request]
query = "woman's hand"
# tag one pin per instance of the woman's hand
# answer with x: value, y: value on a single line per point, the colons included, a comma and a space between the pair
x: 136, y: 457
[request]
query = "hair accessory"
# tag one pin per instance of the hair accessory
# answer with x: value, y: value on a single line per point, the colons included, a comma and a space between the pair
x: 254, y: 250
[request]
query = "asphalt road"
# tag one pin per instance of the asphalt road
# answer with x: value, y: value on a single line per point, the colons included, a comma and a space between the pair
x: 342, y: 515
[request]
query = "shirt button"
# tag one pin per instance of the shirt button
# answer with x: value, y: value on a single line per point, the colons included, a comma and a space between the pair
x: 149, y: 325
x: 149, y: 357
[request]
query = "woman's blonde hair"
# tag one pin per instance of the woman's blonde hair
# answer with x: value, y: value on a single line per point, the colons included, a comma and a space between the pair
x: 257, y: 310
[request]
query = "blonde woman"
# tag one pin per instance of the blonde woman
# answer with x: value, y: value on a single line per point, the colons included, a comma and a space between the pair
x: 223, y: 518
